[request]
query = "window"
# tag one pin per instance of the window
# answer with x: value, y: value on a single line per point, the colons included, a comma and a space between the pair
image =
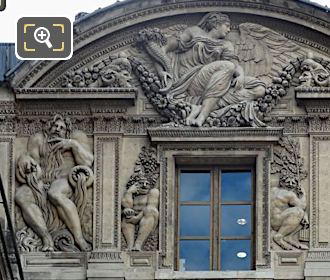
x: 215, y: 218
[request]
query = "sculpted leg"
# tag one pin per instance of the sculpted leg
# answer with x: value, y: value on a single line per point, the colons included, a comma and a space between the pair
x: 208, y: 106
x: 59, y: 194
x: 291, y: 222
x: 146, y: 226
x: 290, y: 239
x: 33, y: 216
x: 212, y: 82
x: 128, y: 230
x: 195, y: 110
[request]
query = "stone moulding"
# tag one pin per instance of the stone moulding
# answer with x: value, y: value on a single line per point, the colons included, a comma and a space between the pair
x: 307, y: 93
x: 168, y: 156
x: 127, y: 94
x: 264, y: 134
x: 105, y: 257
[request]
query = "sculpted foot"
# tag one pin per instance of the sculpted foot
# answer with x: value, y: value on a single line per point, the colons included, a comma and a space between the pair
x: 48, y: 244
x: 137, y: 247
x: 195, y: 110
x: 283, y: 244
x: 295, y: 243
x: 199, y: 121
x: 47, y: 248
x: 83, y: 245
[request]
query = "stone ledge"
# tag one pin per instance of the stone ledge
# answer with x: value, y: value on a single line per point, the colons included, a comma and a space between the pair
x: 59, y: 260
x: 127, y: 94
x: 315, y: 93
x: 214, y: 275
x: 235, y: 134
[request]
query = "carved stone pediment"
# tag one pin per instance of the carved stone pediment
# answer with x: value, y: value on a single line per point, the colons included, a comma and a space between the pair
x: 205, y: 78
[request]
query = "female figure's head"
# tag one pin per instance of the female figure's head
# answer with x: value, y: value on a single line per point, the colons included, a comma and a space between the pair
x: 216, y: 23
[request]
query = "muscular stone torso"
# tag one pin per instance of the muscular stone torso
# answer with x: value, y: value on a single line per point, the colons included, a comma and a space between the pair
x: 140, y: 201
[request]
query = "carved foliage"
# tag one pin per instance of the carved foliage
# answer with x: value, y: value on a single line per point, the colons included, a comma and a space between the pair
x: 289, y: 164
x: 174, y: 111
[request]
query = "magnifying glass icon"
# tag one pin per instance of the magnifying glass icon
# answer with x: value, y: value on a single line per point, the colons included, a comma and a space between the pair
x: 41, y: 35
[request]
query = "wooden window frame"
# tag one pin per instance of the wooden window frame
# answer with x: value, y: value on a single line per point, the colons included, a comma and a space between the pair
x: 216, y: 166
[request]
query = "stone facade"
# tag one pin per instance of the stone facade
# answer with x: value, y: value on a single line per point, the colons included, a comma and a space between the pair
x: 92, y: 144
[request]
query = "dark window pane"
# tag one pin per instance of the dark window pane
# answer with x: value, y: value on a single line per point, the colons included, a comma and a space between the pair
x: 194, y: 220
x: 236, y: 255
x: 195, y: 186
x: 194, y: 255
x: 235, y: 220
x: 236, y: 186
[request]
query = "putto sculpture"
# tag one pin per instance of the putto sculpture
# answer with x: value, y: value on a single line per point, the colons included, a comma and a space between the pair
x: 54, y: 174
x: 140, y: 201
x: 288, y: 200
x: 204, y: 79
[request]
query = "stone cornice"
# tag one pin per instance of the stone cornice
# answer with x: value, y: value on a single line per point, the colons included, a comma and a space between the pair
x: 235, y: 134
x: 127, y: 94
x: 315, y: 99
x: 312, y: 92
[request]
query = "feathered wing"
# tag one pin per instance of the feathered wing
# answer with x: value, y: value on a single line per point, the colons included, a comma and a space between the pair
x: 263, y: 52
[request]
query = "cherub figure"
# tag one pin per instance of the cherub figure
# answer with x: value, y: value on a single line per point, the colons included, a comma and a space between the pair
x: 140, y: 208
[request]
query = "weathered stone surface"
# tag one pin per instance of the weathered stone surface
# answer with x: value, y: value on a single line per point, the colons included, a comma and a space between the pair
x: 142, y: 75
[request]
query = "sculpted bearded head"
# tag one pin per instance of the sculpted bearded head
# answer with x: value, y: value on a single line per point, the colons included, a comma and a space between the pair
x: 58, y: 127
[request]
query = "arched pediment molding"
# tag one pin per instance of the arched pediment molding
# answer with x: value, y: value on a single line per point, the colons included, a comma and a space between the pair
x: 92, y: 29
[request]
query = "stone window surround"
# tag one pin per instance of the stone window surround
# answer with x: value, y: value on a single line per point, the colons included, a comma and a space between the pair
x: 169, y: 156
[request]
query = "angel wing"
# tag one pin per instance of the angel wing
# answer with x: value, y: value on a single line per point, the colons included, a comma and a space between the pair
x: 263, y: 52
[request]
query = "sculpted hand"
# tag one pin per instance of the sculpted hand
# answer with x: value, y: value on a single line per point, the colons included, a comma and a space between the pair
x: 134, y: 189
x: 61, y: 144
x: 305, y: 222
x: 129, y: 212
x: 166, y: 80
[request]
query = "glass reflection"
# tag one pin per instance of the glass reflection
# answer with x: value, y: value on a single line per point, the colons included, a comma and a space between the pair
x: 195, y: 186
x: 194, y: 255
x: 229, y: 258
x: 194, y: 220
x: 236, y: 186
x: 230, y: 214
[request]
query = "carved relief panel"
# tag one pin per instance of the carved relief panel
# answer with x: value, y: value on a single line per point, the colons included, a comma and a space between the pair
x: 54, y: 176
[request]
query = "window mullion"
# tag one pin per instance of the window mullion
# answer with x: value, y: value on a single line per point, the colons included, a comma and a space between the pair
x: 216, y: 219
x: 219, y: 213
